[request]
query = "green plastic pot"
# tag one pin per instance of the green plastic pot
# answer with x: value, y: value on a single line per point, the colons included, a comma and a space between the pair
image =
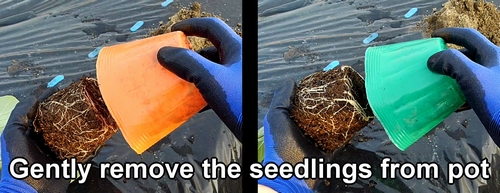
x: 407, y: 98
x: 260, y: 143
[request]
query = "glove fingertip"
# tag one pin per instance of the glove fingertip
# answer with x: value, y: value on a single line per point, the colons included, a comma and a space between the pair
x: 47, y: 93
x: 283, y: 96
x: 185, y: 63
x: 442, y: 33
x: 166, y: 55
x: 174, y: 59
x: 448, y: 62
x: 210, y: 53
x: 217, y: 32
x: 434, y: 64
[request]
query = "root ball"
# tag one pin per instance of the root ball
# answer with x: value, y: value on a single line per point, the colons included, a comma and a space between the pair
x: 330, y: 107
x: 75, y: 122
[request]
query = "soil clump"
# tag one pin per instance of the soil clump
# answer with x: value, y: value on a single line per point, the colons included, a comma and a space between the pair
x: 194, y: 11
x: 477, y: 14
x: 74, y: 121
x: 331, y: 107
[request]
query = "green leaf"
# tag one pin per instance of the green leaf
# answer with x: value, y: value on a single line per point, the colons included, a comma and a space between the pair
x: 77, y: 176
x: 260, y: 142
x: 7, y: 104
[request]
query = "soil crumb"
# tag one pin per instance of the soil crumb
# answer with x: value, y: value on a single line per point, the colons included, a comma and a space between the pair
x: 24, y: 65
x: 75, y: 122
x: 300, y: 52
x: 478, y: 14
x: 194, y: 11
x: 331, y: 107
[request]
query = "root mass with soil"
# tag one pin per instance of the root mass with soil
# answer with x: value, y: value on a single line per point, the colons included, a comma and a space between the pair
x: 330, y: 107
x: 75, y: 122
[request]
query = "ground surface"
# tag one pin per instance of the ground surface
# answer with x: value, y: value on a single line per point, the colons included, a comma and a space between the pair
x: 299, y: 37
x: 51, y: 38
x: 480, y: 15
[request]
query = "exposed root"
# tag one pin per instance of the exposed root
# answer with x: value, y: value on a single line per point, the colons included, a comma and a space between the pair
x: 75, y: 122
x: 331, y: 106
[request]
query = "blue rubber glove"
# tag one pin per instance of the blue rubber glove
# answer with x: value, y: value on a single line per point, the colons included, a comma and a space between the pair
x: 476, y: 70
x: 284, y: 141
x: 19, y: 140
x: 218, y: 80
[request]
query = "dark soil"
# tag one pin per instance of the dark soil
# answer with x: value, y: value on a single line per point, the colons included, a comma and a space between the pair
x: 478, y: 14
x: 194, y: 11
x: 75, y: 122
x: 330, y: 107
x: 24, y: 65
x: 301, y: 51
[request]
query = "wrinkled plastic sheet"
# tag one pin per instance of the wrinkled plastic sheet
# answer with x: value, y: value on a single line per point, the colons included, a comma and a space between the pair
x: 53, y: 38
x: 297, y: 38
x: 188, y: 144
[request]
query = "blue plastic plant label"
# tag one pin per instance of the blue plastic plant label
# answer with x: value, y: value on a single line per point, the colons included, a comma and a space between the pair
x: 95, y: 52
x: 370, y: 38
x: 55, y: 81
x: 166, y: 3
x: 411, y: 12
x: 136, y: 26
x: 331, y: 65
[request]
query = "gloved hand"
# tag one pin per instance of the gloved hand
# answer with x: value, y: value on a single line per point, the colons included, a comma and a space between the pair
x: 220, y: 83
x: 284, y: 141
x: 19, y: 140
x: 476, y: 69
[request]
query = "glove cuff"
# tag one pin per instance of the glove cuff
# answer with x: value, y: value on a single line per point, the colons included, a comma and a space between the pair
x: 12, y: 185
x: 289, y: 186
x: 494, y: 127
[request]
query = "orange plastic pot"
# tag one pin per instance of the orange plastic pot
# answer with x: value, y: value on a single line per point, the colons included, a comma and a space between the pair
x: 146, y: 100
